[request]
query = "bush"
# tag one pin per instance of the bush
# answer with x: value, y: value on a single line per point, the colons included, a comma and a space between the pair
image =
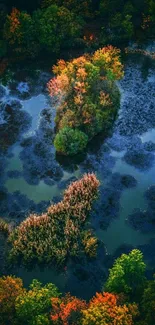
x: 70, y: 142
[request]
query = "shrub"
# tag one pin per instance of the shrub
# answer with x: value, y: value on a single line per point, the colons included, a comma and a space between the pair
x: 58, y: 234
x: 70, y: 141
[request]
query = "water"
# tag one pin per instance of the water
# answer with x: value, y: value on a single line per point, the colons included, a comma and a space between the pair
x: 32, y: 178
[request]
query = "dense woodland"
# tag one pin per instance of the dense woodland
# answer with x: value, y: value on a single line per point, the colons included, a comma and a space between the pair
x: 128, y: 299
x: 84, y: 40
x: 29, y: 28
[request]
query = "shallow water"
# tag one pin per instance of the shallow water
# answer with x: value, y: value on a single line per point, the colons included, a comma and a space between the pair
x: 31, y: 177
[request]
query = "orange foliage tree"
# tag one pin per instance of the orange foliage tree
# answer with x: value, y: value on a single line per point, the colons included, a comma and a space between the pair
x: 67, y: 310
x: 10, y: 289
x: 104, y: 309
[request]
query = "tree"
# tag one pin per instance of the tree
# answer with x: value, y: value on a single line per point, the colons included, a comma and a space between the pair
x: 56, y: 27
x: 123, y: 20
x: 10, y: 288
x: 121, y: 27
x: 33, y: 307
x: 79, y: 7
x: 19, y: 32
x: 148, y: 303
x: 70, y: 141
x: 104, y: 309
x: 127, y: 275
x: 67, y: 310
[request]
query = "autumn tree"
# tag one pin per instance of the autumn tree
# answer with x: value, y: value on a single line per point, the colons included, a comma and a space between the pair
x: 67, y: 310
x: 10, y: 288
x: 104, y: 309
x: 33, y: 307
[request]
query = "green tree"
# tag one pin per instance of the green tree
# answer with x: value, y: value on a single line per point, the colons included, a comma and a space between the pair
x: 56, y: 27
x: 33, y: 307
x: 127, y: 275
x: 151, y: 5
x: 19, y: 33
x: 148, y: 303
x: 70, y: 142
x: 79, y: 7
x: 121, y: 27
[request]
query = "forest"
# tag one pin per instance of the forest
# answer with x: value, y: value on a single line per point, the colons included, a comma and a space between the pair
x: 32, y: 28
x: 77, y: 162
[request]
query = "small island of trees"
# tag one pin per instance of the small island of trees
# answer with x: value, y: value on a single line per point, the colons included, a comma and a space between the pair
x: 87, y: 96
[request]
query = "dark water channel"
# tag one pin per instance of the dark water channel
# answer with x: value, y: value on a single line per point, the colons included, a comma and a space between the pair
x: 31, y: 177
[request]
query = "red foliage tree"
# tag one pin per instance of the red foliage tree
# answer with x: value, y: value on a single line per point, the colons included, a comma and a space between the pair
x: 67, y: 310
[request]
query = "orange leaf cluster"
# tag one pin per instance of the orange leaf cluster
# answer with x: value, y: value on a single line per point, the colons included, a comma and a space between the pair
x: 66, y: 309
x: 14, y: 20
x: 104, y: 309
x: 10, y: 289
x: 108, y: 59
